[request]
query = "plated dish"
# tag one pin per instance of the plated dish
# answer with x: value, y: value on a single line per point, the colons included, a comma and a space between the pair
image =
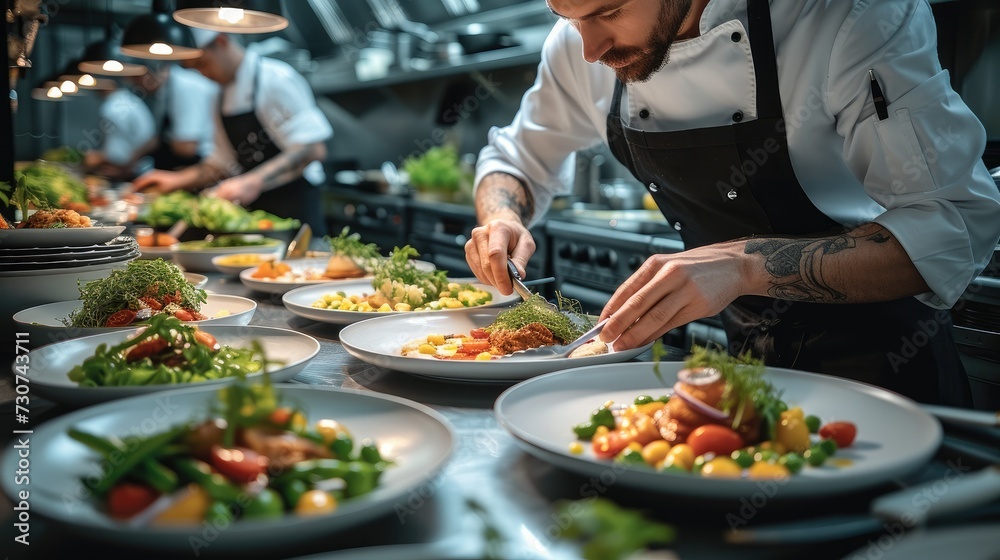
x: 895, y: 437
x: 380, y: 341
x: 43, y: 325
x: 300, y: 301
x: 196, y: 256
x: 415, y: 437
x: 58, y: 237
x: 302, y: 272
x: 51, y: 364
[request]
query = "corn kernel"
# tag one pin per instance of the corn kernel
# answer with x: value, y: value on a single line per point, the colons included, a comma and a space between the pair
x: 575, y: 448
x: 400, y: 307
x: 384, y: 308
x: 426, y: 349
x: 484, y: 356
x: 435, y: 338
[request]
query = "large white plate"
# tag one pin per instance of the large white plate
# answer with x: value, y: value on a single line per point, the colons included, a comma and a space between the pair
x: 60, y: 254
x: 417, y: 438
x: 319, y: 264
x: 71, y: 262
x: 895, y: 437
x: 50, y: 364
x: 43, y: 325
x: 57, y: 237
x: 378, y: 342
x: 299, y: 301
x: 200, y: 260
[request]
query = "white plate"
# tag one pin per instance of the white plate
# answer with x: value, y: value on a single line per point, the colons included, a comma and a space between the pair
x: 43, y: 325
x: 200, y: 260
x: 219, y: 262
x: 49, y: 255
x: 319, y: 264
x: 32, y: 287
x: 51, y: 363
x: 63, y: 263
x: 378, y: 341
x: 299, y: 301
x: 57, y: 237
x: 113, y: 245
x: 151, y: 253
x: 895, y: 437
x: 196, y: 280
x: 419, y: 439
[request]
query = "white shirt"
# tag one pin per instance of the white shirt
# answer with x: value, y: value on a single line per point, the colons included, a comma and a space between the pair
x: 918, y: 173
x: 192, y: 99
x: 127, y: 124
x: 284, y: 105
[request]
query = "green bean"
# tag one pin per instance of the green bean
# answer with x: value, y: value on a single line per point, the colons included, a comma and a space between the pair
x: 216, y: 485
x: 142, y: 451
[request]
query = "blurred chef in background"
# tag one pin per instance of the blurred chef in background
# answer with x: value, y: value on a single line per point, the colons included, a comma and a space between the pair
x: 270, y: 136
x: 182, y: 103
x: 127, y: 133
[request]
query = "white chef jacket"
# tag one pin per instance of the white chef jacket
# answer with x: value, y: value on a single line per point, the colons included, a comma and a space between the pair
x: 284, y: 105
x: 918, y: 173
x: 191, y: 100
x: 126, y: 124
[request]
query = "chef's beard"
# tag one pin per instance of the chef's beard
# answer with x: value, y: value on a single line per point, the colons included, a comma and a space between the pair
x: 656, y: 54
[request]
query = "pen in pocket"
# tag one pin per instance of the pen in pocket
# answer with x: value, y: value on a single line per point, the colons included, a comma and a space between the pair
x: 881, y: 108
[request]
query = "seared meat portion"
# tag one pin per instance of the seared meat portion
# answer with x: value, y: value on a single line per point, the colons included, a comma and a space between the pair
x: 678, y: 419
x: 281, y: 448
x: 531, y: 335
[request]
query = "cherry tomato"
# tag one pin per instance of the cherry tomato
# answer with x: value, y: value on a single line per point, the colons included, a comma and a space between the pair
x: 841, y: 432
x: 126, y: 499
x: 149, y: 347
x: 184, y: 315
x: 206, y: 339
x: 479, y: 333
x: 121, y: 318
x: 712, y: 438
x: 608, y: 445
x: 151, y: 303
x: 239, y: 464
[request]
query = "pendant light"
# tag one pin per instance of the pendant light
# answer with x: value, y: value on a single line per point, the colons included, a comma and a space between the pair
x: 157, y: 36
x: 104, y: 57
x: 55, y: 89
x: 232, y: 16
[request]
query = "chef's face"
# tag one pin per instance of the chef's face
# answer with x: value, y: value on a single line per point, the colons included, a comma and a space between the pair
x: 633, y: 37
x: 212, y: 63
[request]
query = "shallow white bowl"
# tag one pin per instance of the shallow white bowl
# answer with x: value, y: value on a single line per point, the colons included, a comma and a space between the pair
x: 200, y: 260
x: 219, y: 262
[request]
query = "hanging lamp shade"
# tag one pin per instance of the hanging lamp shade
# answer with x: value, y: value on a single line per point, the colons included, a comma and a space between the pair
x: 232, y: 16
x: 105, y: 58
x: 158, y: 37
x: 55, y: 88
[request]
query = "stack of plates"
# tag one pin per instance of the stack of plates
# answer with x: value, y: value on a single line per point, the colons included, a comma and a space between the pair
x: 44, y: 265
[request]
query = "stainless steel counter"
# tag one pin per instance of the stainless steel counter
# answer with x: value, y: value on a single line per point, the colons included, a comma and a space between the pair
x: 517, y: 491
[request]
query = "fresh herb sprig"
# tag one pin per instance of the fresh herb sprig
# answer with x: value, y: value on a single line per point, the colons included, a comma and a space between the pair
x: 123, y: 288
x: 744, y: 380
x: 566, y: 325
x: 348, y: 244
x: 399, y: 268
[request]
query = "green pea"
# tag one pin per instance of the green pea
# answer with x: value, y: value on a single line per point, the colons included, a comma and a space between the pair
x: 586, y: 430
x: 630, y: 457
x: 765, y: 456
x: 815, y: 456
x: 219, y: 515
x: 266, y: 505
x: 663, y: 399
x: 370, y: 452
x: 603, y: 417
x: 792, y: 461
x: 742, y: 458
x: 342, y: 447
x: 643, y: 399
x: 674, y: 468
x: 813, y: 423
x: 293, y: 491
x: 828, y: 446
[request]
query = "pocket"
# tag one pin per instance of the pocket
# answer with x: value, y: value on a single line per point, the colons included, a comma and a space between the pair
x: 905, y: 160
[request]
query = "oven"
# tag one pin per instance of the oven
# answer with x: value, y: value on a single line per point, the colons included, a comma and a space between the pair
x: 439, y: 231
x: 378, y: 218
x: 594, y: 252
x: 977, y: 334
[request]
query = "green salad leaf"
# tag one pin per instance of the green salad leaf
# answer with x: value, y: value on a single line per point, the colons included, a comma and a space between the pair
x: 349, y: 245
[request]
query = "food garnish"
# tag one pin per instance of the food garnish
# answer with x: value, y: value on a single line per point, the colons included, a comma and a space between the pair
x: 253, y: 459
x: 144, y: 288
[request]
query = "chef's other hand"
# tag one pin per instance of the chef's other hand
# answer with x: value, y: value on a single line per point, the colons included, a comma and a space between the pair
x: 157, y: 181
x: 487, y: 251
x: 243, y: 189
x: 671, y: 290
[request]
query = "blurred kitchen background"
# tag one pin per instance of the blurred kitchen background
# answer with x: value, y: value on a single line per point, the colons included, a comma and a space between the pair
x: 397, y: 78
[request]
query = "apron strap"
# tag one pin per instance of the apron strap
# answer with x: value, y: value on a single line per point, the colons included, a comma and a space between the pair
x: 616, y: 101
x: 766, y: 64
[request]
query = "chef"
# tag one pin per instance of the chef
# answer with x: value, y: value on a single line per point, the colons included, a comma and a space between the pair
x: 824, y: 176
x: 269, y: 140
x: 127, y: 133
x: 182, y: 102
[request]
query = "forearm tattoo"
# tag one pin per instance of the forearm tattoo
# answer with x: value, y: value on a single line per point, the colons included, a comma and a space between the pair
x: 798, y: 266
x: 507, y: 193
x: 292, y: 163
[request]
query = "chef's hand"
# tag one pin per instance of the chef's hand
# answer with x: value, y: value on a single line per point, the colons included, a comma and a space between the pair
x: 487, y: 251
x: 671, y: 290
x: 242, y: 189
x: 158, y: 181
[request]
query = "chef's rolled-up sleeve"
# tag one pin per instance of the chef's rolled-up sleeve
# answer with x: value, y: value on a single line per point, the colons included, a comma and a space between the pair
x: 923, y: 163
x: 551, y: 124
x: 290, y: 107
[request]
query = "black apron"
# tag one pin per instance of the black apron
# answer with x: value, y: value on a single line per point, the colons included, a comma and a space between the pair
x: 164, y: 156
x: 253, y: 145
x: 727, y: 182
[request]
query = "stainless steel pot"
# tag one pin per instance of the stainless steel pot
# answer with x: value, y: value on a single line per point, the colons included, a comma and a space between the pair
x: 621, y: 194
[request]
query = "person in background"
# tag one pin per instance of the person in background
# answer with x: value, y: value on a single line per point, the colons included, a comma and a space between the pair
x: 128, y: 132
x: 824, y: 176
x: 269, y: 140
x: 182, y: 103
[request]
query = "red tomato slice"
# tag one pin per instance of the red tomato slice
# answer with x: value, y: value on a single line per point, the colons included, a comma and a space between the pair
x: 712, y: 438
x: 610, y: 444
x: 841, y: 432
x: 121, y: 318
x: 151, y: 303
x: 184, y: 315
x: 126, y: 499
x: 239, y: 464
x: 474, y: 346
x: 479, y: 333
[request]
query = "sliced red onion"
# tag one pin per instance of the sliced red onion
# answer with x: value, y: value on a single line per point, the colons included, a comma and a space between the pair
x: 699, y: 376
x: 698, y: 404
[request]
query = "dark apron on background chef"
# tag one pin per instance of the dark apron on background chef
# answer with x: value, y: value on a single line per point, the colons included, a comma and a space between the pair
x: 902, y: 345
x: 253, y: 144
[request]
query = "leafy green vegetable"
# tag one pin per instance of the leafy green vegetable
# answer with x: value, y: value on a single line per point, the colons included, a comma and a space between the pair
x: 566, y: 324
x: 438, y: 169
x: 213, y: 214
x: 396, y: 273
x: 224, y: 241
x: 123, y: 288
x: 51, y: 186
x: 62, y: 154
x: 349, y: 245
x: 610, y: 532
x: 109, y: 367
